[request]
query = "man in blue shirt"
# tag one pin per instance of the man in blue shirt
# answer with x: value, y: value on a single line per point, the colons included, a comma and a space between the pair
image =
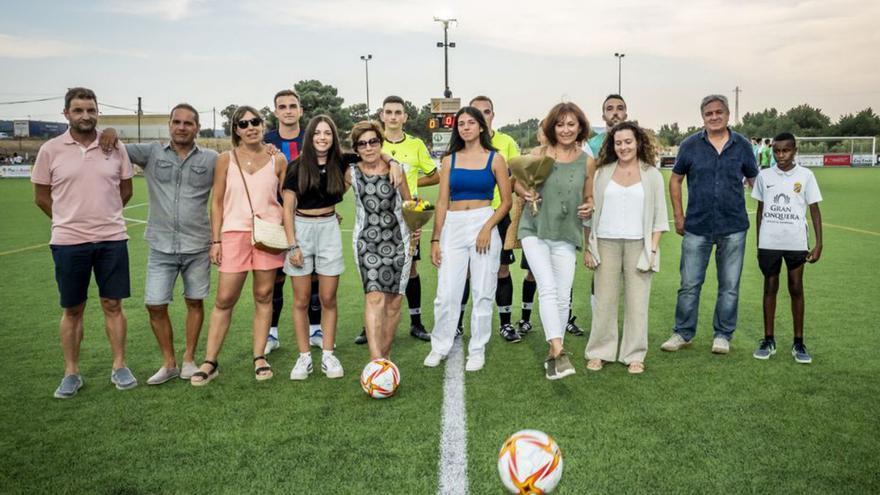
x: 715, y: 161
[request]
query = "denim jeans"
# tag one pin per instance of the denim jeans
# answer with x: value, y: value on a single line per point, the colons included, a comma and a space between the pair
x: 695, y: 253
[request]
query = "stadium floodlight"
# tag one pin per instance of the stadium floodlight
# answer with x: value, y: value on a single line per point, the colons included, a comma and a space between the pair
x: 446, y: 45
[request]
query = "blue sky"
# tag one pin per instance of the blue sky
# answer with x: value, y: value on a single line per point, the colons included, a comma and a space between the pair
x: 526, y: 56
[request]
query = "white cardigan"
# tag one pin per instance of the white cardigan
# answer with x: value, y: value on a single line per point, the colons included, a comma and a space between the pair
x: 655, y: 215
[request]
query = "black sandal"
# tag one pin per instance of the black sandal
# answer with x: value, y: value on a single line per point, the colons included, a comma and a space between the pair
x: 205, y: 377
x: 261, y: 373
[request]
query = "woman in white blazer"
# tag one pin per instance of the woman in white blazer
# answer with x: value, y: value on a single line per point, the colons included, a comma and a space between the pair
x: 624, y: 243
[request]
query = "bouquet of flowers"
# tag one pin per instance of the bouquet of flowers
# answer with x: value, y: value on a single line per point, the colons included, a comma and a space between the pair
x: 416, y: 213
x: 531, y: 171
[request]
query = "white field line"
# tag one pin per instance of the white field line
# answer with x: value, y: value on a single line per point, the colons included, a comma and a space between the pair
x: 134, y: 206
x: 453, y: 432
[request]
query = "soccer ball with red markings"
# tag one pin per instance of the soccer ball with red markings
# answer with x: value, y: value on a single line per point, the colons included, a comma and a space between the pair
x: 380, y: 378
x: 530, y: 462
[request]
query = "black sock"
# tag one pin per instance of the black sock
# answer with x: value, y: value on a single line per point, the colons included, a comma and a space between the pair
x: 277, y: 301
x: 414, y: 300
x: 570, y: 302
x: 798, y: 341
x: 314, y: 305
x: 528, y: 297
x: 464, y: 301
x: 504, y: 298
x: 770, y: 338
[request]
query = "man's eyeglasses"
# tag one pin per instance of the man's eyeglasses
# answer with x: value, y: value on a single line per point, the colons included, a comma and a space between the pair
x: 371, y: 142
x: 255, y: 122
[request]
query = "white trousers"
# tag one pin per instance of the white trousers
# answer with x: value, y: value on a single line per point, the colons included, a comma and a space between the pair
x: 458, y: 252
x: 552, y: 263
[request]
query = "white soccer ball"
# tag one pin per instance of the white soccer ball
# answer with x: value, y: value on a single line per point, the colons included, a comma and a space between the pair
x: 380, y: 378
x: 530, y: 462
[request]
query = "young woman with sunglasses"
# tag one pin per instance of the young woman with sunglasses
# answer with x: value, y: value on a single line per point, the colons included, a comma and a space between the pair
x: 381, y: 238
x: 465, y: 235
x: 247, y: 169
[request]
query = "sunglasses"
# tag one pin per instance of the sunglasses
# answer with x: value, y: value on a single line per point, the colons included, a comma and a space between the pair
x: 255, y: 122
x: 371, y: 142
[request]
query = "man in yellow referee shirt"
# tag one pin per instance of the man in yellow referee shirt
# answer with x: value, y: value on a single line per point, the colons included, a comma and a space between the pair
x: 420, y: 171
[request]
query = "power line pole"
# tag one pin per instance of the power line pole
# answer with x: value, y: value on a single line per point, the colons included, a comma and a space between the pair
x: 736, y: 92
x: 214, y: 128
x: 140, y: 112
x: 446, y: 45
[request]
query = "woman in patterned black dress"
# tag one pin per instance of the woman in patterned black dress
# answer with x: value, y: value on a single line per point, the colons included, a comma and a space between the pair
x: 380, y: 237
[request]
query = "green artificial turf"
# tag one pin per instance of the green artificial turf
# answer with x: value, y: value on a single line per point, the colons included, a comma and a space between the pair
x: 693, y: 422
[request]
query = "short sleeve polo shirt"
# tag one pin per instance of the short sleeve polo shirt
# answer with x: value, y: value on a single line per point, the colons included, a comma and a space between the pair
x: 716, y: 202
x: 412, y: 153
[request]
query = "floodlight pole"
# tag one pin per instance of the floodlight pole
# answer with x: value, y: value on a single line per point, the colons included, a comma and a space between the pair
x: 619, y: 59
x: 366, y: 60
x: 446, y: 45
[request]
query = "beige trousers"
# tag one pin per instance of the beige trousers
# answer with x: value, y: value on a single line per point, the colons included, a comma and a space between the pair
x: 618, y: 260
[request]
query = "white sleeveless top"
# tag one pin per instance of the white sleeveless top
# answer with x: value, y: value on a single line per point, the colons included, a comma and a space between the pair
x: 622, y: 212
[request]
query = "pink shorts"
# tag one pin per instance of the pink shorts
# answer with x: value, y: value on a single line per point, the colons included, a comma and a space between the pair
x: 238, y: 255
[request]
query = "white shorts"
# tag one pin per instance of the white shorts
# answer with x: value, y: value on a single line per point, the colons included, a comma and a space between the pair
x: 320, y: 241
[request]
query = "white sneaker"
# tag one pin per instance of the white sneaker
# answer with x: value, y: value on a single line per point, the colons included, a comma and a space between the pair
x: 186, y: 372
x: 316, y: 339
x: 720, y: 345
x: 475, y: 362
x: 432, y: 360
x: 331, y: 366
x: 272, y: 343
x: 674, y: 343
x: 302, y: 369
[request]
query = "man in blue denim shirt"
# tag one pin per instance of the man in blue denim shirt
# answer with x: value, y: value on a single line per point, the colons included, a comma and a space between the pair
x: 179, y: 177
x: 715, y: 161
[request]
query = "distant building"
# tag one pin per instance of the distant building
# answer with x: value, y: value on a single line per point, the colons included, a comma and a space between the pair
x: 36, y: 128
x: 152, y: 126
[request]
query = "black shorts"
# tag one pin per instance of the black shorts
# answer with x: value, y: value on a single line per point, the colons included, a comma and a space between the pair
x: 507, y: 256
x: 770, y: 260
x: 74, y: 265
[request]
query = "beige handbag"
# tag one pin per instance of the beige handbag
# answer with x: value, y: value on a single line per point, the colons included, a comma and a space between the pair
x: 265, y: 236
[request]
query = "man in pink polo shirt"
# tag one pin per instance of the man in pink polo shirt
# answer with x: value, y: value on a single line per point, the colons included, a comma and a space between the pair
x: 83, y: 189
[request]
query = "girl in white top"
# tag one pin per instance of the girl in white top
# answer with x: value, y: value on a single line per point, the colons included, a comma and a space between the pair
x: 629, y: 218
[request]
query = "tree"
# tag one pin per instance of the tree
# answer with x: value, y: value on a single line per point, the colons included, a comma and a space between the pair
x: 670, y: 135
x: 524, y: 133
x: 317, y: 98
x: 417, y: 121
x: 269, y: 117
x: 808, y: 121
x: 226, y: 113
x: 864, y: 123
x: 358, y: 112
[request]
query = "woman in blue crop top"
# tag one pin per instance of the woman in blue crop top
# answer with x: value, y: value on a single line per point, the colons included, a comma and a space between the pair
x: 465, y: 235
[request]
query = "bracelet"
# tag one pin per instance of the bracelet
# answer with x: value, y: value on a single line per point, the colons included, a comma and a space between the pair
x: 216, y: 242
x: 654, y: 251
x: 293, y: 247
x: 435, y: 240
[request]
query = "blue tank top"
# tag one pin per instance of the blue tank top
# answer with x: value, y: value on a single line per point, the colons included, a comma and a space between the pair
x: 465, y: 184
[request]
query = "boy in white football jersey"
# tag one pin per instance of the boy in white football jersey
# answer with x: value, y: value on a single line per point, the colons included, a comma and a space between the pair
x: 784, y: 192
